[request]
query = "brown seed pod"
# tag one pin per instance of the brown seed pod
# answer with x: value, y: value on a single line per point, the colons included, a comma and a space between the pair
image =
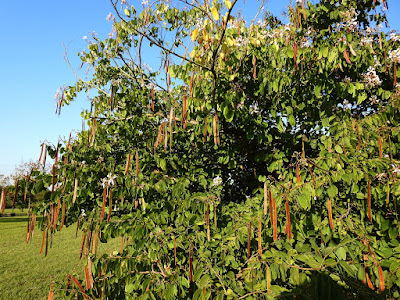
x: 369, y: 201
x: 248, y: 243
x: 330, y: 214
x: 381, y: 279
x: 128, y: 162
x: 288, y: 226
x: 259, y: 238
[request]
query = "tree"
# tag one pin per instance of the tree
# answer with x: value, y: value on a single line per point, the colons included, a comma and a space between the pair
x: 258, y: 160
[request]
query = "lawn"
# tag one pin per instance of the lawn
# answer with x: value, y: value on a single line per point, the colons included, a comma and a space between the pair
x: 26, y: 274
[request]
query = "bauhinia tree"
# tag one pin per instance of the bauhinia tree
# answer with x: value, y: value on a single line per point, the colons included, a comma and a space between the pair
x: 255, y: 160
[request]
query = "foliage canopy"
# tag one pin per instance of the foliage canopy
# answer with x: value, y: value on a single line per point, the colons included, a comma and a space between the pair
x: 258, y: 160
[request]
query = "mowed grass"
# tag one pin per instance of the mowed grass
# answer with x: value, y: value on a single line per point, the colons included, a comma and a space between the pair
x: 26, y: 274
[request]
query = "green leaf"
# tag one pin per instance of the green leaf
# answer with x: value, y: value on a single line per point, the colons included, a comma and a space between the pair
x: 163, y: 164
x: 129, y: 288
x: 341, y: 253
x: 332, y: 191
x: 228, y: 113
x: 317, y: 90
x: 304, y: 200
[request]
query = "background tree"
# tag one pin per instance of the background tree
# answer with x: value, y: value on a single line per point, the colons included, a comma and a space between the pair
x: 256, y: 161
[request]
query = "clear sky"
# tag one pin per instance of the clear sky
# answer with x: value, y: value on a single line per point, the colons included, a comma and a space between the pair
x: 32, y: 67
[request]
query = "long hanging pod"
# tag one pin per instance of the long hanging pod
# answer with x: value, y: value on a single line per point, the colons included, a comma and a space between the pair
x: 369, y: 201
x: 288, y: 225
x: 330, y: 214
x: 275, y: 225
x: 128, y: 162
x: 248, y: 242
x: 259, y: 238
x: 265, y: 198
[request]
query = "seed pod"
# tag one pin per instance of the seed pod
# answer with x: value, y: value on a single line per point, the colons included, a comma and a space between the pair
x: 270, y: 208
x: 298, y: 178
x: 205, y: 129
x: 288, y: 226
x: 191, y: 265
x: 369, y: 202
x: 330, y: 214
x: 137, y: 162
x: 152, y: 99
x: 380, y: 148
x: 216, y: 122
x: 312, y: 175
x: 104, y: 204
x: 214, y: 130
x: 26, y: 189
x: 47, y: 242
x: 184, y: 110
x: 63, y: 215
x: 79, y: 286
x: 259, y: 238
x: 41, y: 154
x: 93, y: 131
x: 304, y: 10
x: 346, y: 56
x: 254, y: 67
x: 387, y: 193
x: 82, y: 245
x: 87, y: 277
x: 175, y: 250
x: 268, y: 279
x: 128, y: 162
x: 44, y: 155
x: 295, y: 55
x: 386, y: 67
x: 75, y: 189
x: 57, y: 211
x: 248, y: 243
x: 44, y: 235
x: 208, y: 222
x: 275, y: 220
x: 90, y: 272
x: 369, y: 281
x: 110, y: 206
x: 381, y: 279
x: 265, y: 198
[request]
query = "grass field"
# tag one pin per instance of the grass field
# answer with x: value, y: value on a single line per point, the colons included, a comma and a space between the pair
x: 26, y: 274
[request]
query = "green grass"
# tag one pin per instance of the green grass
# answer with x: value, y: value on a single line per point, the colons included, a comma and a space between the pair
x: 26, y: 274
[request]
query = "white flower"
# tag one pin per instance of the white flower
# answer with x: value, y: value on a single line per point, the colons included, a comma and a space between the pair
x: 83, y: 212
x: 394, y: 55
x: 374, y: 99
x: 371, y: 78
x: 108, y: 181
x: 366, y: 41
x: 394, y: 37
x: 110, y: 17
x: 254, y: 109
x: 396, y: 169
x: 111, y: 179
x: 84, y: 37
x: 377, y: 62
x: 217, y: 181
x: 124, y: 2
x: 145, y: 2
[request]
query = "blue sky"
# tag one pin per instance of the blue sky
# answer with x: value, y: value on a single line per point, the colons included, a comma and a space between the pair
x: 33, y: 67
